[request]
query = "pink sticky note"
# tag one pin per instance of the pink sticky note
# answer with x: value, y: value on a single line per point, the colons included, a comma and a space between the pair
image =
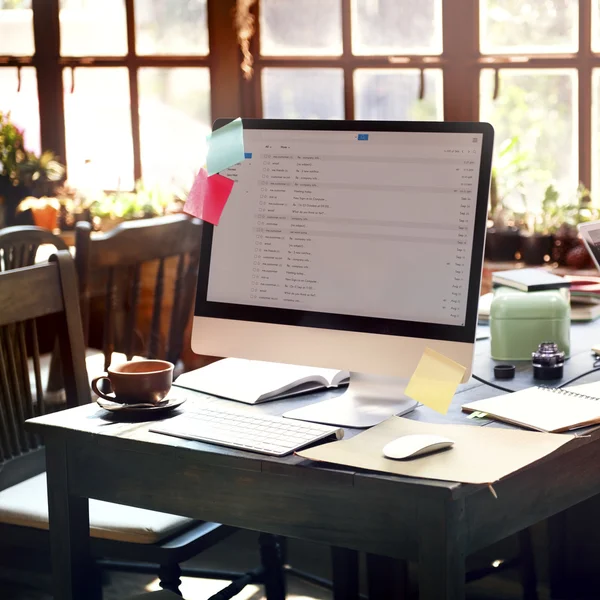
x: 208, y: 196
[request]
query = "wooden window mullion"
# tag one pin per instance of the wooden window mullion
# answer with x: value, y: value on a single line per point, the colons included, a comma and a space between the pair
x: 347, y: 59
x: 132, y: 69
x: 46, y: 31
x: 584, y: 76
x: 460, y: 28
x: 224, y: 60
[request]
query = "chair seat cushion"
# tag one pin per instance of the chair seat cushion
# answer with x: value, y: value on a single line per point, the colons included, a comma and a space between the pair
x: 26, y: 504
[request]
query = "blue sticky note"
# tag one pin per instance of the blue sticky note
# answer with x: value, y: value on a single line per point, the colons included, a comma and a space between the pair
x: 225, y: 147
x: 247, y: 154
x: 363, y: 137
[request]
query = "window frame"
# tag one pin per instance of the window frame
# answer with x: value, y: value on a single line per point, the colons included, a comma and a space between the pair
x: 49, y: 64
x: 461, y: 63
x: 231, y: 94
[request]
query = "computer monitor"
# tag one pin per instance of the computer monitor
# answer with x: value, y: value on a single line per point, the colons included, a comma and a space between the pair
x: 349, y: 244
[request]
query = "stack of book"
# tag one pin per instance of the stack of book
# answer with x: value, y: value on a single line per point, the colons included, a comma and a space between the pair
x: 585, y: 291
x: 585, y: 297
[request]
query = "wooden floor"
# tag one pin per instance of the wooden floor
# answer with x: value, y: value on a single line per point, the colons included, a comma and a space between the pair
x: 240, y: 552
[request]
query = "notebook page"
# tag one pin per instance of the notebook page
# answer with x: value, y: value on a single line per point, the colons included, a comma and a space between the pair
x: 540, y: 409
x: 247, y: 380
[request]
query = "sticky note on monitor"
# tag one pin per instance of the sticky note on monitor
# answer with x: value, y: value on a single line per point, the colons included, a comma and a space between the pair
x: 208, y: 197
x: 225, y: 147
x: 435, y: 380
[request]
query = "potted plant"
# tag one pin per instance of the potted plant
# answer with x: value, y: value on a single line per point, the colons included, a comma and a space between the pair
x: 12, y: 155
x: 144, y: 203
x: 22, y: 173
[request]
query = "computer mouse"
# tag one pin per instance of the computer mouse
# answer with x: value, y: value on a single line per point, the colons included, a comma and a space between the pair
x: 410, y: 446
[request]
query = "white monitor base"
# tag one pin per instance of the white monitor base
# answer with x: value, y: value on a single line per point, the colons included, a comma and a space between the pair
x: 369, y: 400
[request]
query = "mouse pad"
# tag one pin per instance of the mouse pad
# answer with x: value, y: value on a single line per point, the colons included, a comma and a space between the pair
x: 479, y: 454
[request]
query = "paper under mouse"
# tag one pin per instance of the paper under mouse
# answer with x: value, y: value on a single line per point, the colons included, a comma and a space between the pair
x: 411, y: 446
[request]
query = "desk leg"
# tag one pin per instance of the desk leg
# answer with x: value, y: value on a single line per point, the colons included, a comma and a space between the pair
x: 387, y: 578
x: 442, y: 550
x: 74, y: 576
x: 557, y: 556
x: 272, y: 549
x: 344, y: 568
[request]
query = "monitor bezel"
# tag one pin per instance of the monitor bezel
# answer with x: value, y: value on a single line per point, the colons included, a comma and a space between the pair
x: 372, y: 325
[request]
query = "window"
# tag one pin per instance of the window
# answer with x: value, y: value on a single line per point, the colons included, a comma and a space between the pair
x: 536, y: 95
x: 135, y: 115
x: 519, y: 65
x: 135, y: 82
x: 314, y: 63
x: 16, y: 28
x: 18, y: 96
x: 142, y: 80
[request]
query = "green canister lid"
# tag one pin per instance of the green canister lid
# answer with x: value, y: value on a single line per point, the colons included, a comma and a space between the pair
x: 511, y: 304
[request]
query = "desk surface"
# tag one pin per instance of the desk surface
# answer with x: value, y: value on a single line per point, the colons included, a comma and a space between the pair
x: 93, y: 419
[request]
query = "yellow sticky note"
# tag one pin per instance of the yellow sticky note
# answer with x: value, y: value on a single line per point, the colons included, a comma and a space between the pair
x: 435, y: 380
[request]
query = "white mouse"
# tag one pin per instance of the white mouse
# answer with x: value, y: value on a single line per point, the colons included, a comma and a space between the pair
x: 410, y: 446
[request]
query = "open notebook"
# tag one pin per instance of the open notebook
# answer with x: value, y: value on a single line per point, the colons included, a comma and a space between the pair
x: 545, y: 409
x: 254, y: 381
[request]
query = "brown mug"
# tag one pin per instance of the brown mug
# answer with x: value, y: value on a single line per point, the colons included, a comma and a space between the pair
x: 137, y: 381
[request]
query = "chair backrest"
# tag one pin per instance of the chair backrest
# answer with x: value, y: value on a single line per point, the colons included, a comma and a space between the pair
x: 19, y: 245
x: 26, y: 295
x: 128, y: 255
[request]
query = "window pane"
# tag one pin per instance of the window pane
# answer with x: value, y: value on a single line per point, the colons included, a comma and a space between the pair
x: 536, y: 110
x: 16, y: 28
x: 396, y: 27
x: 23, y: 104
x: 171, y: 27
x: 596, y: 25
x: 174, y: 122
x: 535, y: 26
x: 596, y: 135
x: 93, y: 28
x: 300, y: 27
x: 394, y: 94
x: 303, y: 93
x: 98, y: 129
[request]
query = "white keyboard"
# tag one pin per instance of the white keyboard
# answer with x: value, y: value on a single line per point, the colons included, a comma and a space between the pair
x: 275, y: 436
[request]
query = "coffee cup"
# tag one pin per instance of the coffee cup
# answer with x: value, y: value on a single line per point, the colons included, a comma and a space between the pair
x: 137, y: 381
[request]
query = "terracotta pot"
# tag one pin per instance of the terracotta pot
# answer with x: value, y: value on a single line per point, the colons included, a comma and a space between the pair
x: 108, y: 223
x: 502, y: 245
x: 536, y: 249
x: 46, y: 217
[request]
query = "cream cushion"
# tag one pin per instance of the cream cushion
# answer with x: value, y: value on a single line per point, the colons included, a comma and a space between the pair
x: 26, y: 504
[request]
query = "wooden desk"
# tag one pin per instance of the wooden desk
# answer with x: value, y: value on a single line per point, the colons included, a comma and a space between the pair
x: 433, y: 522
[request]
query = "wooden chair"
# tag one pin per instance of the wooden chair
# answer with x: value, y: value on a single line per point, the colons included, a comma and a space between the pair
x: 122, y: 533
x: 124, y: 260
x: 20, y: 246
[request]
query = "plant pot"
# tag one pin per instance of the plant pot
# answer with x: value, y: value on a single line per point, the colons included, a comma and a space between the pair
x: 11, y: 197
x: 502, y: 245
x: 109, y: 223
x: 562, y: 246
x: 536, y: 249
x: 46, y: 217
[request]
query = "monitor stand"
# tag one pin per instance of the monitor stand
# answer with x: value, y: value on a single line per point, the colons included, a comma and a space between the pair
x: 369, y: 400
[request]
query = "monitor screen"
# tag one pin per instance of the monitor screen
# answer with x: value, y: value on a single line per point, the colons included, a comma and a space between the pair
x: 360, y: 226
